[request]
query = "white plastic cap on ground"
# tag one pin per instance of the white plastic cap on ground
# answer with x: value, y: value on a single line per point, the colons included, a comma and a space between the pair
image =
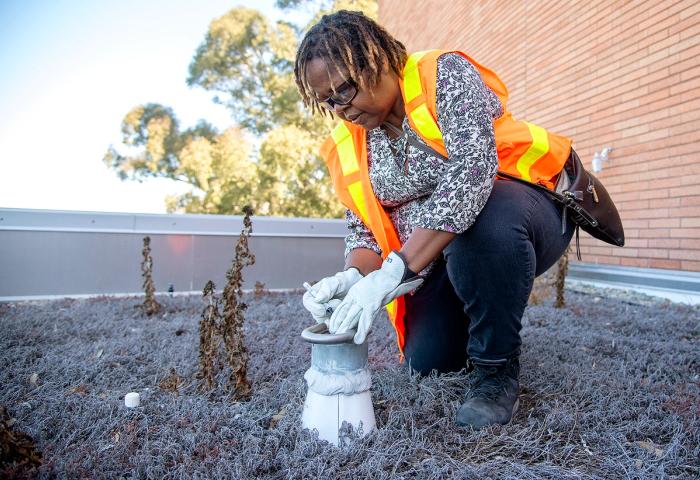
x: 132, y: 400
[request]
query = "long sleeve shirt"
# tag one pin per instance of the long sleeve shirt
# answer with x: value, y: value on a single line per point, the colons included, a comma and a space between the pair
x: 419, y: 190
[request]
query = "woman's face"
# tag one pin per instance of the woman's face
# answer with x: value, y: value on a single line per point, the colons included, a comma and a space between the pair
x: 369, y: 108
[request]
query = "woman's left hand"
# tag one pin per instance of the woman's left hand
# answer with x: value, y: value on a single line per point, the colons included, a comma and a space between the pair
x: 370, y: 294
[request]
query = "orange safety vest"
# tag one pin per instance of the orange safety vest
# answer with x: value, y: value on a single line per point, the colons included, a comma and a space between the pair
x: 524, y: 150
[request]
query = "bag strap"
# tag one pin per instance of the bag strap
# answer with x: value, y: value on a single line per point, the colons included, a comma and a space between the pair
x: 415, y: 143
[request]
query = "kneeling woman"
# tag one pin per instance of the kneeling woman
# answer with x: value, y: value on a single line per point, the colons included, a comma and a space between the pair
x: 450, y: 251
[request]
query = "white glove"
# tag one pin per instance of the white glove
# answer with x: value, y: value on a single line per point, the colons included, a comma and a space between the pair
x: 327, y: 293
x: 369, y: 295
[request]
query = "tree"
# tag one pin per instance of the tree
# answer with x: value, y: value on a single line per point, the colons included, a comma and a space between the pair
x: 368, y: 7
x: 246, y: 61
x: 217, y: 165
x: 293, y: 178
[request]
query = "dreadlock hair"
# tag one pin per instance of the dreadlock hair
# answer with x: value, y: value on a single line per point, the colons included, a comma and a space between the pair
x: 352, y: 42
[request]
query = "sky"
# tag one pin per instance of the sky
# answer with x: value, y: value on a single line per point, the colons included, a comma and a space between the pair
x: 71, y: 70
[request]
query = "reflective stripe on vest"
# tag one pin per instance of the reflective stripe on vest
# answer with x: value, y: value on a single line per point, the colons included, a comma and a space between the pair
x: 422, y: 117
x: 413, y: 89
x: 349, y: 165
x: 349, y: 162
x: 538, y: 149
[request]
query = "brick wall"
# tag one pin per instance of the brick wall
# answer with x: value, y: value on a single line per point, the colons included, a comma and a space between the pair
x: 621, y: 74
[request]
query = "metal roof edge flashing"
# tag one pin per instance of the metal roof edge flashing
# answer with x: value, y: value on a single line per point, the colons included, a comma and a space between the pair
x: 677, y: 280
x: 168, y: 224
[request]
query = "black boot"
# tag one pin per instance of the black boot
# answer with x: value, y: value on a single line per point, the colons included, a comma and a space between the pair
x: 492, y: 395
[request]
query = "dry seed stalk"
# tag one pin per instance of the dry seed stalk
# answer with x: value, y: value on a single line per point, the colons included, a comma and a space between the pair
x: 150, y: 305
x: 552, y: 281
x: 209, y: 338
x: 16, y: 448
x: 259, y: 289
x: 561, y: 279
x: 232, y: 326
x: 172, y: 382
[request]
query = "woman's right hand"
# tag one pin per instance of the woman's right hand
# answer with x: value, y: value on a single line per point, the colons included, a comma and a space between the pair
x: 328, y: 292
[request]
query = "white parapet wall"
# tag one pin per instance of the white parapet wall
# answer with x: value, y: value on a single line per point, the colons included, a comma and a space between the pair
x: 50, y: 253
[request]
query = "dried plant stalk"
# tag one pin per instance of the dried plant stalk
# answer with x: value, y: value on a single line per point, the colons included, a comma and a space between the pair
x: 563, y: 269
x: 540, y: 287
x: 551, y: 283
x: 172, y: 382
x: 233, y: 310
x: 150, y: 304
x: 16, y: 448
x: 259, y: 289
x: 209, y: 337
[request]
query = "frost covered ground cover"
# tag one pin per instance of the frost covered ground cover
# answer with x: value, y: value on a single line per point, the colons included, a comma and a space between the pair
x: 610, y: 389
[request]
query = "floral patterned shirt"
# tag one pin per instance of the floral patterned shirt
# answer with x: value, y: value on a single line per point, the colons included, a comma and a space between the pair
x: 419, y: 190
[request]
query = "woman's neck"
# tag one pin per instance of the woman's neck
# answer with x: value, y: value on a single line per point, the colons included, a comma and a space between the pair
x: 397, y: 113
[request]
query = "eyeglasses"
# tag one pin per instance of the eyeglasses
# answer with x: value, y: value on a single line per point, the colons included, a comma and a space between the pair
x: 344, y: 94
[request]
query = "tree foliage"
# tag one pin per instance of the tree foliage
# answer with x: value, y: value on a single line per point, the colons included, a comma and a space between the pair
x: 247, y: 61
x: 217, y: 165
x: 269, y: 160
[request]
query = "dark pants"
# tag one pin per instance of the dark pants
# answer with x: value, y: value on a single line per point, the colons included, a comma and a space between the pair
x: 471, y: 304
